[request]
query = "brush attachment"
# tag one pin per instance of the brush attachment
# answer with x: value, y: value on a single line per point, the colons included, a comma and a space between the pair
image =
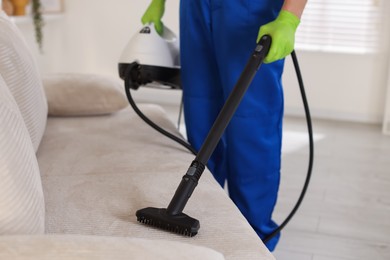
x: 172, y: 218
x: 180, y: 223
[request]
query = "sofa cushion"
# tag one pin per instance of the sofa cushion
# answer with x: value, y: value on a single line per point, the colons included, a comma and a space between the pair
x: 22, y: 209
x: 74, y: 94
x: 19, y: 70
x: 95, y: 247
x: 98, y: 171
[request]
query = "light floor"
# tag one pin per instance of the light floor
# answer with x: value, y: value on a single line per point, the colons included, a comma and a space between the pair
x: 346, y: 212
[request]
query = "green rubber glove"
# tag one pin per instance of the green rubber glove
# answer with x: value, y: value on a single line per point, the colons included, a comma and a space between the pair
x: 153, y: 14
x: 282, y: 31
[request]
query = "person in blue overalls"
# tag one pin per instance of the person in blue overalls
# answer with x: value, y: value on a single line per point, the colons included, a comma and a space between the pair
x: 216, y: 40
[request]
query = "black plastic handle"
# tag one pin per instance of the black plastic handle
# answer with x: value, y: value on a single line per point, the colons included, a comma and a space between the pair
x: 264, y: 44
x: 262, y: 48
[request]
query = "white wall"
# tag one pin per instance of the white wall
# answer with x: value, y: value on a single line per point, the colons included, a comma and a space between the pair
x: 89, y: 38
x: 91, y: 34
x: 339, y: 86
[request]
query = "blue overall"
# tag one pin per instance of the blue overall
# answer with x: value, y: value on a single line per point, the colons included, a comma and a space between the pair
x: 217, y: 38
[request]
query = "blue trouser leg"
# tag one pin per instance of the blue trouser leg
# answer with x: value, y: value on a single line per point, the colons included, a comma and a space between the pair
x: 203, y: 96
x: 217, y: 37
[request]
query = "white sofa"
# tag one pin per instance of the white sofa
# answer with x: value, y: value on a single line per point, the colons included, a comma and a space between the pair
x: 70, y: 184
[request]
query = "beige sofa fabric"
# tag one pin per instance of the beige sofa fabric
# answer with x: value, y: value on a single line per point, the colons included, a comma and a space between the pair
x: 74, y: 94
x: 95, y: 248
x: 20, y: 73
x: 22, y: 209
x: 97, y: 171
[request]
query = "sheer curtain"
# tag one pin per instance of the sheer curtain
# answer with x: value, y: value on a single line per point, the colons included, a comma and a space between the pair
x: 340, y: 26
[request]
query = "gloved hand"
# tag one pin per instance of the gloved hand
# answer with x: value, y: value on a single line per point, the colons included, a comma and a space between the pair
x: 154, y: 13
x: 282, y: 31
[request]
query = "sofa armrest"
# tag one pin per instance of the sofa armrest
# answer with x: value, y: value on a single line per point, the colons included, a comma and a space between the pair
x: 98, y: 247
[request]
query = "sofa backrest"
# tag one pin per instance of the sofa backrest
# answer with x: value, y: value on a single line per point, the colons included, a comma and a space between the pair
x: 22, y: 209
x: 20, y: 73
x: 23, y: 114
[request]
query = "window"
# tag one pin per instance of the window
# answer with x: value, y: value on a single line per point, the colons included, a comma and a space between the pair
x: 351, y: 26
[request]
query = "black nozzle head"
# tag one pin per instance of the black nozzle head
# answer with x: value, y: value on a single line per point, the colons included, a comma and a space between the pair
x: 181, y: 223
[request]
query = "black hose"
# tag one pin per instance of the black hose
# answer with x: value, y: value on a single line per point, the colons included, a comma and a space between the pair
x: 150, y: 122
x: 311, y: 151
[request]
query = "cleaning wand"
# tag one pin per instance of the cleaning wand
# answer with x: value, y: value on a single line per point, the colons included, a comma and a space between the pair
x: 172, y: 218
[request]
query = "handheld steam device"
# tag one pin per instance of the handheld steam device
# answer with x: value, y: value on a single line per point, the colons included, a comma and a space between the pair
x: 149, y: 57
x: 172, y: 218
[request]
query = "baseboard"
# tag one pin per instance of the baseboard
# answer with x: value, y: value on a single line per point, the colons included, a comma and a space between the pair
x: 336, y: 116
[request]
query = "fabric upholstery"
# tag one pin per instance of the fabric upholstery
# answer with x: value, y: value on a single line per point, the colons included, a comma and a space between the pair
x: 19, y: 70
x: 22, y: 209
x: 74, y: 94
x: 94, y: 248
x: 98, y: 171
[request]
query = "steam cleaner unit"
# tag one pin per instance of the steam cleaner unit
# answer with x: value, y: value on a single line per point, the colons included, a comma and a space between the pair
x: 149, y: 57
